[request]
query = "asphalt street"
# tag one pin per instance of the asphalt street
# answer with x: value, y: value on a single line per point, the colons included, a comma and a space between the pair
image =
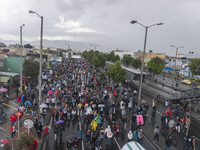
x: 179, y: 137
x: 169, y: 81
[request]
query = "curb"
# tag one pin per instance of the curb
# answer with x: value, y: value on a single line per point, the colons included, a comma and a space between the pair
x: 3, y: 130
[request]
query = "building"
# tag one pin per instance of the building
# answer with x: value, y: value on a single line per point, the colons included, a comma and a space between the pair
x: 149, y: 56
x: 124, y: 53
x: 180, y: 55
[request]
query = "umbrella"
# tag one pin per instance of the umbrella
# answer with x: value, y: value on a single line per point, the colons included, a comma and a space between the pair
x: 64, y: 75
x: 83, y: 90
x: 107, y: 87
x: 101, y: 105
x: 4, y: 90
x: 71, y: 136
x: 59, y: 122
x: 28, y: 90
x: 50, y: 92
x: 6, y: 141
x: 28, y: 77
x: 57, y: 82
x: 18, y: 78
x: 43, y: 105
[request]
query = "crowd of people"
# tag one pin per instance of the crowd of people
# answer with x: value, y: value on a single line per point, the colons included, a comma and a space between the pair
x: 74, y: 90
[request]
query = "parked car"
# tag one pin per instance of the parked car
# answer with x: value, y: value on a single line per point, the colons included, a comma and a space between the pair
x: 186, y: 81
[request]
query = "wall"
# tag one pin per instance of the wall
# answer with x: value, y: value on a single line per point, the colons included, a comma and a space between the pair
x: 13, y: 63
x: 2, y: 55
x: 3, y: 65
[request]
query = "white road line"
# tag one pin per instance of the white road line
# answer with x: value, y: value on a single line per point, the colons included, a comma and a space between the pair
x: 144, y: 137
x: 117, y: 143
x: 158, y: 112
x: 149, y: 142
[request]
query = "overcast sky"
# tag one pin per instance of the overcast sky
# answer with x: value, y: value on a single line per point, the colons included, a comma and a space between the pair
x: 107, y: 23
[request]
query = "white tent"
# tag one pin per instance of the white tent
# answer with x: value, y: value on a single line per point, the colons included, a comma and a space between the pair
x: 132, y: 146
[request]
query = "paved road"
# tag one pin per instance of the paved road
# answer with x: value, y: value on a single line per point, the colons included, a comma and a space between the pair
x: 9, y: 109
x: 160, y: 110
x: 72, y: 128
x: 169, y: 81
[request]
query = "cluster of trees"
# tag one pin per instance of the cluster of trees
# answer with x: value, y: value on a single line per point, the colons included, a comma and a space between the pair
x: 127, y: 60
x: 28, y: 46
x: 116, y: 72
x: 31, y: 67
x: 96, y: 58
x: 195, y: 66
x: 155, y: 65
x: 112, y: 57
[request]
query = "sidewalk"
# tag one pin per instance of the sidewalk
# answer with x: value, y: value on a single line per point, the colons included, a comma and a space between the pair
x: 22, y: 129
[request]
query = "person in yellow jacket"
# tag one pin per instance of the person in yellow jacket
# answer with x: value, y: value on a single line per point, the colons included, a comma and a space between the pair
x: 94, y: 124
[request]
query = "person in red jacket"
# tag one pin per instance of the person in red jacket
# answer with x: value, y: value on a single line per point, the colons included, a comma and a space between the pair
x: 34, y: 146
x: 20, y: 118
x: 12, y: 131
x: 13, y: 119
x: 46, y: 131
x: 117, y: 131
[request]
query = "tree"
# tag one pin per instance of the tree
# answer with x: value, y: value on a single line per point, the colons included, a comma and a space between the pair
x: 61, y: 54
x: 28, y: 46
x: 2, y: 45
x: 31, y: 67
x: 84, y: 54
x: 99, y: 61
x: 156, y: 65
x: 136, y: 63
x: 195, y: 66
x: 112, y: 57
x: 127, y: 60
x: 116, y: 72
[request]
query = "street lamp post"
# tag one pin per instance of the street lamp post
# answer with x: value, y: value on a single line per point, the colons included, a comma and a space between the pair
x: 175, y: 62
x: 94, y: 48
x: 67, y: 45
x: 145, y: 40
x: 41, y: 47
x: 21, y: 59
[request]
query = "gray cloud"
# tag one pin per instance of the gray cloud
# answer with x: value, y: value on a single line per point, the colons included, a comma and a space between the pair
x: 106, y: 22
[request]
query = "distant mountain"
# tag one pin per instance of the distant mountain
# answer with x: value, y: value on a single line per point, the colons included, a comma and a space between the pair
x: 79, y: 46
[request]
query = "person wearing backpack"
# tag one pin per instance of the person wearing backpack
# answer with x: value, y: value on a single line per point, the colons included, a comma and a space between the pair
x: 188, y: 141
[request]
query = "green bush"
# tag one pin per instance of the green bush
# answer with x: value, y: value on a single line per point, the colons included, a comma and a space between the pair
x: 7, y: 146
x: 197, y: 80
x: 24, y: 142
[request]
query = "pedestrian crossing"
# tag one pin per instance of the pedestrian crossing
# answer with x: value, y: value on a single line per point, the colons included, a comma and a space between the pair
x: 12, y: 105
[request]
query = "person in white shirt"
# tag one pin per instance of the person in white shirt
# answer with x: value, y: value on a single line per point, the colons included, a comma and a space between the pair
x: 108, y: 133
x: 53, y: 101
x: 166, y: 104
x: 134, y: 92
x: 130, y: 136
x: 122, y: 105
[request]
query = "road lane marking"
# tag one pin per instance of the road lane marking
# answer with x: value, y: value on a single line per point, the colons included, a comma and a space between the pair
x: 149, y: 142
x: 117, y: 143
x: 158, y: 112
x: 13, y: 103
x: 144, y: 136
x: 9, y: 106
